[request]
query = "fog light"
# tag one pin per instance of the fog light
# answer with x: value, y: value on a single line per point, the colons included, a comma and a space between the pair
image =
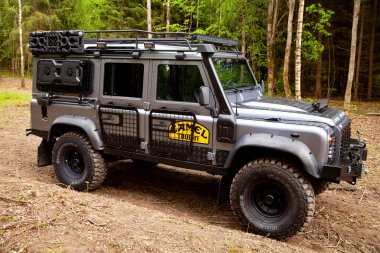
x: 101, y: 44
x: 149, y: 45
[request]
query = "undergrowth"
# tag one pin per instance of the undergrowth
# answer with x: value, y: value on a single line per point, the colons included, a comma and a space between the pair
x: 8, y: 98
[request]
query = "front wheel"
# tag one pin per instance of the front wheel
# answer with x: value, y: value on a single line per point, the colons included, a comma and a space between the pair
x: 77, y: 163
x: 272, y: 198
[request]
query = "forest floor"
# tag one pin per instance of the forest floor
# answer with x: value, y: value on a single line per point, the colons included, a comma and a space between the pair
x: 164, y: 209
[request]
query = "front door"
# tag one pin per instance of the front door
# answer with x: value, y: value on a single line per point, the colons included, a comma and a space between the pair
x: 179, y: 128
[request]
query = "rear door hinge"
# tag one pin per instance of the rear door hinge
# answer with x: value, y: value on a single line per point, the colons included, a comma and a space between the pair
x: 146, y: 106
x: 210, y: 156
x: 144, y: 145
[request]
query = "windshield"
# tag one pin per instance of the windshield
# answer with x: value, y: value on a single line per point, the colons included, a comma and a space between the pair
x: 237, y: 79
x: 233, y: 73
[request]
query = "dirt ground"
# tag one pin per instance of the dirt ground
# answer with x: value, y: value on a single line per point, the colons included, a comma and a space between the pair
x: 164, y: 209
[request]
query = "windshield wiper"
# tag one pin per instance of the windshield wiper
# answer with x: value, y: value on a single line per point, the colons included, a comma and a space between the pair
x: 234, y: 90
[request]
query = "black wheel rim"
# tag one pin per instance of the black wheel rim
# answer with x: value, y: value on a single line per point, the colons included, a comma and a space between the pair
x: 268, y: 200
x: 74, y: 165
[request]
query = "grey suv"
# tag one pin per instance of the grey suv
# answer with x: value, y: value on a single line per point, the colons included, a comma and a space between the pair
x: 191, y: 101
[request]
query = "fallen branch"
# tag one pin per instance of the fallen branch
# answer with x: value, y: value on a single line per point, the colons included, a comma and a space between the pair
x: 14, y: 200
x: 96, y: 224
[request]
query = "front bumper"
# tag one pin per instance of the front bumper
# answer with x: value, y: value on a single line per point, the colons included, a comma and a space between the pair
x: 350, y: 167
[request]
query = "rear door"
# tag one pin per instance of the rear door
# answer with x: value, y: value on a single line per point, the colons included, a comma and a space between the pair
x: 122, y: 96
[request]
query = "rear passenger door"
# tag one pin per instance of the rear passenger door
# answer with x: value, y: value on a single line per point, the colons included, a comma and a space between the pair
x: 179, y: 128
x: 122, y: 96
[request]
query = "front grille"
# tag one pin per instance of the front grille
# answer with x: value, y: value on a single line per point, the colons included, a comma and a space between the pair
x: 346, y: 137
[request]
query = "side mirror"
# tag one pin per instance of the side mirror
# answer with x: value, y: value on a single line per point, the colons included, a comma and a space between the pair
x: 262, y: 87
x: 204, y: 95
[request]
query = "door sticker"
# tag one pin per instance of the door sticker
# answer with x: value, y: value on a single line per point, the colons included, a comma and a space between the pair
x: 181, y: 131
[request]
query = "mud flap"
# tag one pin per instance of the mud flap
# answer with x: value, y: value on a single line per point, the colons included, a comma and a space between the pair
x: 224, y: 188
x: 44, y: 153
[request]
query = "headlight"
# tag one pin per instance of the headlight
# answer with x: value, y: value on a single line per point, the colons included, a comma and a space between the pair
x: 332, y: 148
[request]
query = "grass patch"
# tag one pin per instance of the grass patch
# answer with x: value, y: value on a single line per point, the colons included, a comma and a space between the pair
x: 8, y: 98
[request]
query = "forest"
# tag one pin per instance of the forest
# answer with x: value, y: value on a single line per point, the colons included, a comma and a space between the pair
x: 268, y: 32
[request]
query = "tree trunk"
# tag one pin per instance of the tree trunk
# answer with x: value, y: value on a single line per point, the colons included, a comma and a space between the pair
x: 252, y: 42
x: 21, y: 45
x: 190, y: 21
x: 351, y: 70
x: 270, y: 43
x: 371, y: 50
x: 329, y: 69
x: 243, y: 33
x: 357, y: 73
x: 149, y: 17
x: 274, y: 32
x: 197, y: 23
x: 167, y: 15
x: 211, y: 13
x: 288, y: 92
x: 318, y: 74
x: 220, y: 17
x: 298, y: 50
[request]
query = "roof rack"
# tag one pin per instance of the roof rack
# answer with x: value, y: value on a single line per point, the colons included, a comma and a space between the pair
x: 80, y: 42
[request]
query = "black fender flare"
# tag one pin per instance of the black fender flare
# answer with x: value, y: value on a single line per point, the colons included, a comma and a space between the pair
x: 85, y: 124
x: 277, y: 143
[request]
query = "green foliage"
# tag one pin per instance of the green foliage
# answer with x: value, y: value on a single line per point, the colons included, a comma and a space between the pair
x: 221, y: 18
x: 200, y: 16
x: 318, y: 23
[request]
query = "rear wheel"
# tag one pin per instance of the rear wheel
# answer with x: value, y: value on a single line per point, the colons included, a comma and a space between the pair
x: 270, y: 197
x: 77, y: 163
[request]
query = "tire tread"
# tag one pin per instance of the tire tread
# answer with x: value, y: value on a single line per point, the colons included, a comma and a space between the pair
x: 99, y: 163
x: 308, y: 198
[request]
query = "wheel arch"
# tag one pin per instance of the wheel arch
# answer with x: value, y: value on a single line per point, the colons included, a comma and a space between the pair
x: 68, y: 123
x: 252, y: 146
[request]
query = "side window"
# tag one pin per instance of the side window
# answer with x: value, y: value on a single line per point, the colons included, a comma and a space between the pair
x: 178, y: 82
x: 123, y: 79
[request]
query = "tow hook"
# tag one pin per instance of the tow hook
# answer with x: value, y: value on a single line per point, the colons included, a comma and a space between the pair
x: 28, y: 131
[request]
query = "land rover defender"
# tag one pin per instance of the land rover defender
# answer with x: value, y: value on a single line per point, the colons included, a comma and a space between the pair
x: 191, y: 101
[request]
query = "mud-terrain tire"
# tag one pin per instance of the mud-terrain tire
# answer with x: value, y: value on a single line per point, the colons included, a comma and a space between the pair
x: 144, y: 164
x: 319, y: 185
x: 272, y: 198
x: 77, y: 164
